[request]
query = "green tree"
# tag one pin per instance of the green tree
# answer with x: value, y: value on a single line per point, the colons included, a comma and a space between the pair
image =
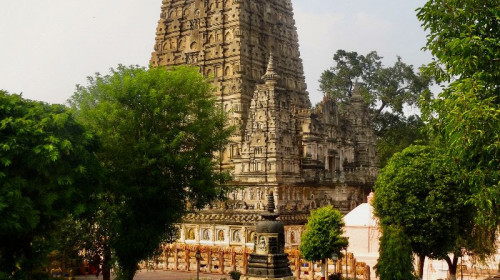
x: 387, y: 90
x: 464, y: 38
x: 395, y: 133
x: 159, y: 131
x: 395, y: 260
x: 47, y: 171
x: 419, y: 192
x: 323, y: 235
x: 382, y: 87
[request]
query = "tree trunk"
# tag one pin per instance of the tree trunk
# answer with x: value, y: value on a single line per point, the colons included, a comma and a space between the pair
x: 452, y: 266
x: 421, y: 261
x: 106, y: 266
x: 379, y: 111
x: 323, y: 269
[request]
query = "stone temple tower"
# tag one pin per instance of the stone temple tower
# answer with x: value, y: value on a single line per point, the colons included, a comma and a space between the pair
x: 230, y: 41
x: 308, y: 157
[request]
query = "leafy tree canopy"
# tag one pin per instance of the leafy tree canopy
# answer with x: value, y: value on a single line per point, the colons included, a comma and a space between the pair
x: 323, y: 235
x: 464, y: 37
x: 159, y: 131
x: 387, y: 90
x: 383, y: 87
x: 395, y: 133
x: 419, y: 192
x: 395, y: 260
x: 47, y: 171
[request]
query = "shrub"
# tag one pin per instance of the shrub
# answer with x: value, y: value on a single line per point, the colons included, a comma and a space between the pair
x: 235, y: 275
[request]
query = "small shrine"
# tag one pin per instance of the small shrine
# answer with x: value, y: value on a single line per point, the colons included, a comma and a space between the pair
x: 269, y: 260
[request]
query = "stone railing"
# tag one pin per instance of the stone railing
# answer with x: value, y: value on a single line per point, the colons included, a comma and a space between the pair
x: 222, y: 260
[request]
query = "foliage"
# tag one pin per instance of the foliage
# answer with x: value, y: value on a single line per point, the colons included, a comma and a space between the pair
x: 68, y: 239
x: 159, y: 131
x: 395, y: 260
x: 395, y: 133
x: 323, y: 235
x: 235, y: 275
x: 464, y: 37
x: 417, y: 191
x: 386, y: 89
x: 47, y: 171
x: 383, y: 87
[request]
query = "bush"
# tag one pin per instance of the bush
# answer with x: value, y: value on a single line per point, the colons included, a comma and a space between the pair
x: 235, y: 275
x: 395, y: 261
x: 39, y: 276
x: 336, y: 276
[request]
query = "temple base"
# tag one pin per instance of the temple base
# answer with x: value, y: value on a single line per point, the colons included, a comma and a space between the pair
x: 264, y: 278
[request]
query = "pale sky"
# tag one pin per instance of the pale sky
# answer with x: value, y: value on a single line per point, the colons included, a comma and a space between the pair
x: 49, y: 46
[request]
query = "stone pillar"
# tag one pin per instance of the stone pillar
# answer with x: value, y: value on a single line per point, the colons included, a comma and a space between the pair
x: 233, y: 259
x: 297, y: 265
x: 176, y: 257
x: 221, y: 261
x: 209, y: 261
x: 311, y: 270
x: 186, y: 258
x: 245, y: 261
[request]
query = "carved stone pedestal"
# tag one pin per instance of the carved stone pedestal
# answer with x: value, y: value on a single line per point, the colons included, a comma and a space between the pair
x: 269, y: 262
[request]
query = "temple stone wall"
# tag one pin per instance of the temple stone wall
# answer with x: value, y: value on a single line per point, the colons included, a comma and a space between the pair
x: 308, y: 157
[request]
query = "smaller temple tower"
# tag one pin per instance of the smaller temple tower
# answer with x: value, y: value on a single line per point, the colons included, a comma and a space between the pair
x: 269, y: 261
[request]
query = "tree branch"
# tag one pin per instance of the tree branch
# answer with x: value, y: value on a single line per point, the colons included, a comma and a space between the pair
x: 379, y: 111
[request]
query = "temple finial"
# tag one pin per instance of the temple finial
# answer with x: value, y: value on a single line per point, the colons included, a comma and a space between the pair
x: 271, y: 77
x: 270, y: 203
x: 356, y: 93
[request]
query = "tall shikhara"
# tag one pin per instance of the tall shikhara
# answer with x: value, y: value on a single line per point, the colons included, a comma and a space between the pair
x: 306, y: 157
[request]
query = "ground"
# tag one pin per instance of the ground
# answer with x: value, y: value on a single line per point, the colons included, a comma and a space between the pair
x: 164, y: 275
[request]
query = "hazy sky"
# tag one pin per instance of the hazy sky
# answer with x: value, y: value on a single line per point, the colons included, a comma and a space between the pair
x: 49, y: 46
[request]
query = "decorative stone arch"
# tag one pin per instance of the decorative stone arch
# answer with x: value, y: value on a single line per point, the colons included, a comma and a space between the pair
x: 171, y: 14
x: 166, y: 45
x: 181, y: 44
x: 205, y: 235
x: 191, y: 235
x: 250, y: 237
x: 193, y: 46
x: 313, y: 205
x: 236, y: 236
x: 228, y: 71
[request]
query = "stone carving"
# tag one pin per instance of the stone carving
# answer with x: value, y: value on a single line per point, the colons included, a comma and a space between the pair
x: 269, y: 261
x: 220, y: 236
x: 236, y: 236
x: 308, y: 157
x: 191, y: 234
x: 206, y: 235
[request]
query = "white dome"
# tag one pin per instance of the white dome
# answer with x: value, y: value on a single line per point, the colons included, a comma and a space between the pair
x: 361, y: 216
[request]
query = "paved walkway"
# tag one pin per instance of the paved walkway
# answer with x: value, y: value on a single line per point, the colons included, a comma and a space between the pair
x: 164, y: 275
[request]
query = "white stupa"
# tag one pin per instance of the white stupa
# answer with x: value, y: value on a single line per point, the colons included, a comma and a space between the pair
x: 362, y: 216
x: 363, y: 232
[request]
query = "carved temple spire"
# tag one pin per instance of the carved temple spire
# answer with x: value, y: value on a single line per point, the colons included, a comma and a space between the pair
x: 356, y: 93
x: 271, y: 77
x: 270, y: 215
